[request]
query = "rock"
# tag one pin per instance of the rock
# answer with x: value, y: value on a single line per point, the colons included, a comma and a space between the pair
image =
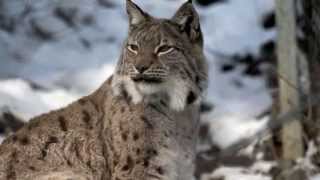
x: 106, y: 3
x: 67, y: 15
x: 209, y: 2
x: 47, y: 28
x: 269, y: 21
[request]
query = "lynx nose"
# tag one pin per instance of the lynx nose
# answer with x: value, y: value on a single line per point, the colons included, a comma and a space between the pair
x: 141, y: 68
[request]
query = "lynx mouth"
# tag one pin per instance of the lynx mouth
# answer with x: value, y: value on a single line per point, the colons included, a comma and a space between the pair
x: 146, y: 79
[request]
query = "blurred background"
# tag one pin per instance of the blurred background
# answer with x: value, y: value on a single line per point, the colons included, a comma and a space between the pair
x: 54, y: 51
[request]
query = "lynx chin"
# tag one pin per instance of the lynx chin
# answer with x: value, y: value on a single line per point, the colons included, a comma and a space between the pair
x: 162, y: 59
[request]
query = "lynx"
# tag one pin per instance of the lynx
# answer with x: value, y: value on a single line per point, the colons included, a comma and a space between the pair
x: 141, y: 124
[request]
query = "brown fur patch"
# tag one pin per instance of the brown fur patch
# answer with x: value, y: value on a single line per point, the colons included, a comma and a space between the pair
x: 82, y: 102
x: 129, y: 164
x: 124, y: 136
x: 24, y: 141
x: 51, y: 140
x: 160, y: 170
x: 135, y: 136
x: 62, y: 123
x: 86, y: 118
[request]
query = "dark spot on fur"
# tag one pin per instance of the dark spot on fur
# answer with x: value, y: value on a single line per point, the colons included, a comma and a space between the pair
x: 160, y: 170
x: 76, y: 149
x: 88, y: 163
x: 191, y: 97
x: 147, y: 122
x: 128, y: 165
x: 51, y: 140
x: 24, y: 141
x: 146, y: 162
x: 163, y: 103
x: 115, y: 162
x: 152, y: 152
x: 204, y: 131
x: 62, y: 123
x: 189, y: 74
x: 166, y: 134
x: 33, y: 124
x: 14, y: 155
x: 138, y: 151
x: 86, y: 118
x: 82, y: 101
x: 197, y: 80
x: 69, y: 163
x: 125, y: 94
x: 122, y: 109
x: 113, y: 112
x: 32, y: 168
x: 135, y: 136
x: 14, y: 138
x: 124, y: 136
x: 121, y: 126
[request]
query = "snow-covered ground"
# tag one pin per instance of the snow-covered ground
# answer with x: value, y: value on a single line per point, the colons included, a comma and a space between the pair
x: 61, y: 50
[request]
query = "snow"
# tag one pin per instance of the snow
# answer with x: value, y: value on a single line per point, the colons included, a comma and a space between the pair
x: 18, y: 96
x: 234, y: 27
x: 315, y: 177
x: 258, y: 171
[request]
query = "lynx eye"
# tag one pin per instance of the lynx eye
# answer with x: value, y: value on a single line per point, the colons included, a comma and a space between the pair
x: 164, y: 49
x: 133, y: 48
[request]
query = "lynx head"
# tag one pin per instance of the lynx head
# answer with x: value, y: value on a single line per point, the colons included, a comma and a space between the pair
x: 158, y: 51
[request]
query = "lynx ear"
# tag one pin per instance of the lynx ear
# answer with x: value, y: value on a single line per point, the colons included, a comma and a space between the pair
x: 188, y: 19
x: 135, y: 13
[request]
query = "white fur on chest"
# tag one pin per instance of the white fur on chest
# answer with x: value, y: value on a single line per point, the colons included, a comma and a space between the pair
x: 177, y: 91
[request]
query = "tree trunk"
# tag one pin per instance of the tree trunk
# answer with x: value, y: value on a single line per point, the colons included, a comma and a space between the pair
x: 289, y: 85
